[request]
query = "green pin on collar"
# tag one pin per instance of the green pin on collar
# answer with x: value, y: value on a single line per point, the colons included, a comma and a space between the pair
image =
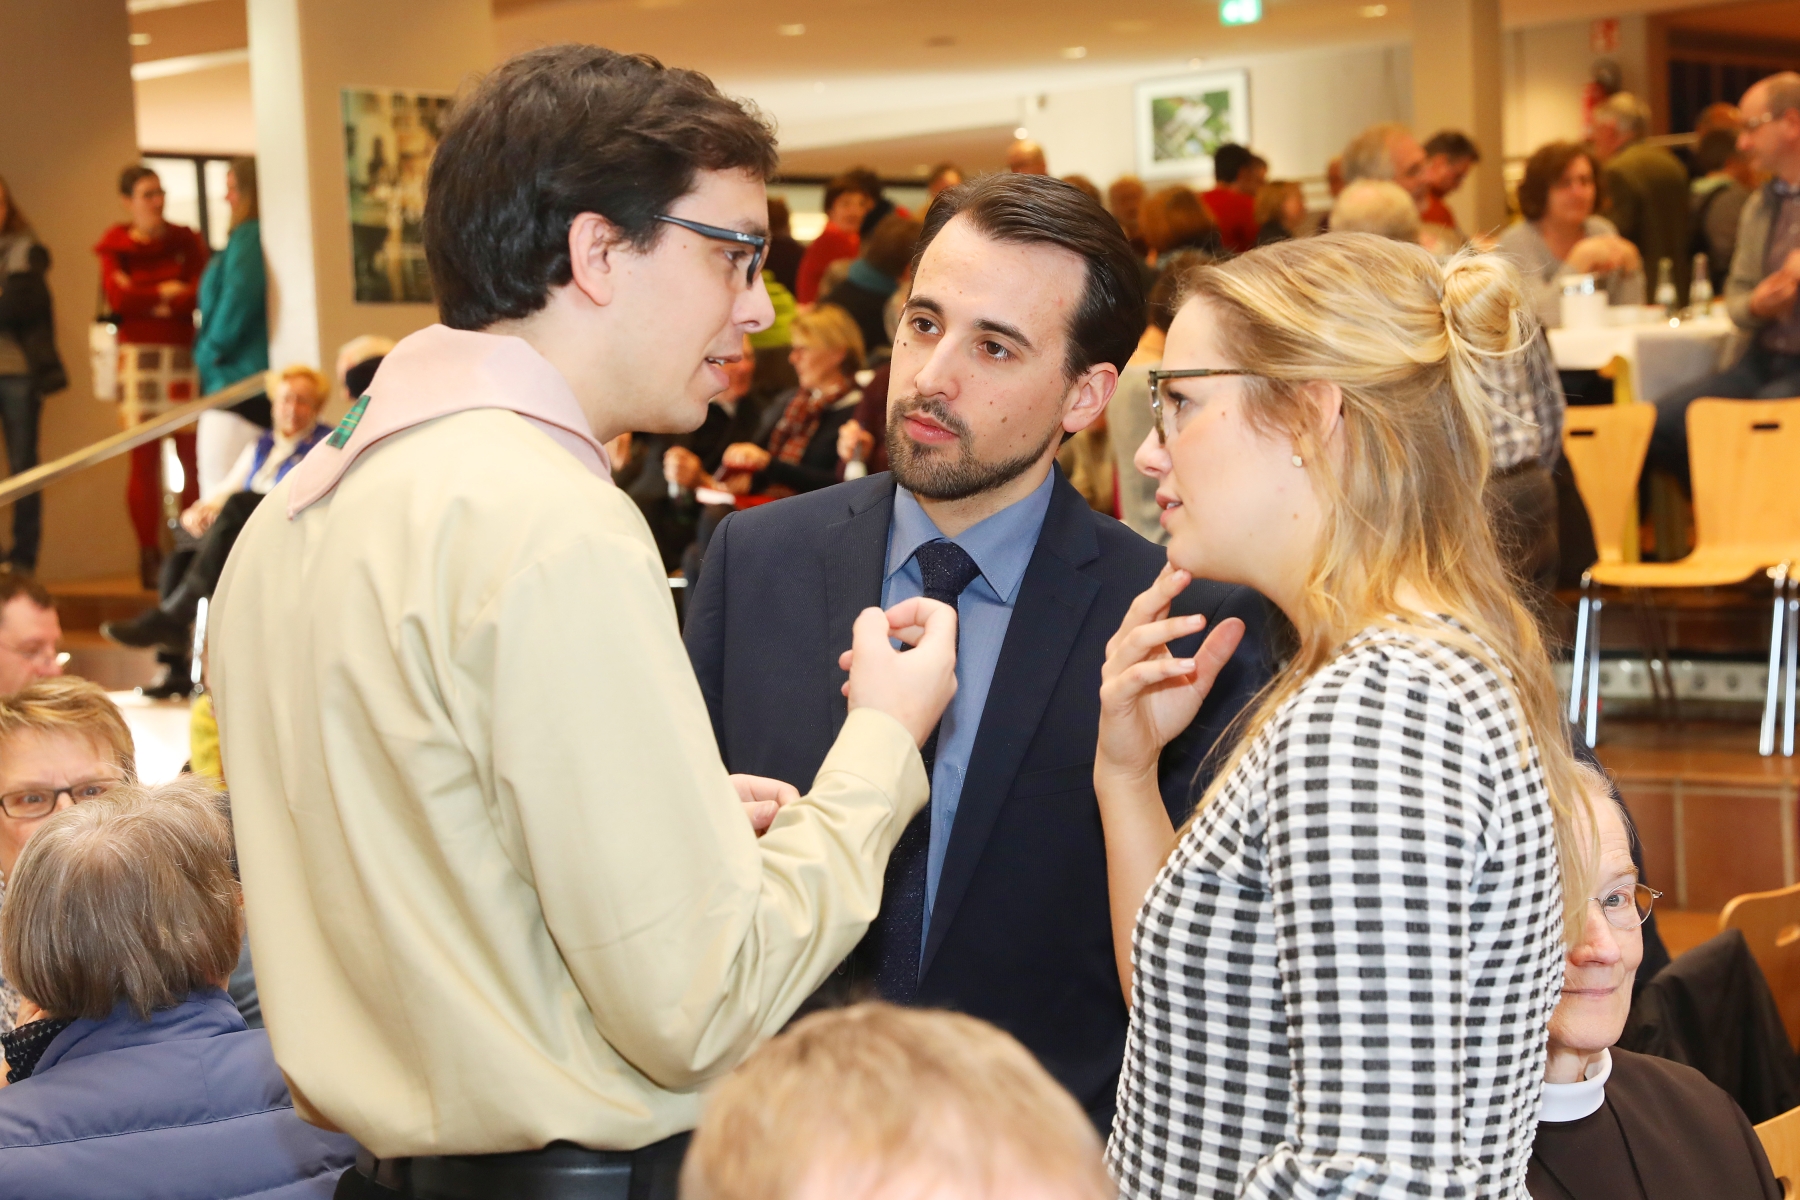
x: 340, y: 437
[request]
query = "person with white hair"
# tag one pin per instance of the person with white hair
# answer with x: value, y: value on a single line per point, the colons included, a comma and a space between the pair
x: 1389, y: 151
x: 1647, y: 187
x: 357, y: 361
x: 1379, y: 207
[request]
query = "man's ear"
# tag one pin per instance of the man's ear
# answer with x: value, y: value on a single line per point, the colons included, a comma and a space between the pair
x: 594, y: 247
x: 1089, y: 396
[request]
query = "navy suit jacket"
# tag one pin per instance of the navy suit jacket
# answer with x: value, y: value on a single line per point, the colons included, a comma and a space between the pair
x: 1021, y: 932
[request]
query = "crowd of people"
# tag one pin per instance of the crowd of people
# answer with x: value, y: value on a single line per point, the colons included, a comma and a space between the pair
x: 960, y: 838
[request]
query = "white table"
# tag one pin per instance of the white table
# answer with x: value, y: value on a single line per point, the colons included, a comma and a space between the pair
x: 1663, y: 355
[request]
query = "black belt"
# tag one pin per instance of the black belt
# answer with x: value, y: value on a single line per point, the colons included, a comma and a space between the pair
x: 560, y: 1171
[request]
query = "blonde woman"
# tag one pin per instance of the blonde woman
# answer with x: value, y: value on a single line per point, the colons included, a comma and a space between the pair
x: 1341, y: 968
x: 798, y: 448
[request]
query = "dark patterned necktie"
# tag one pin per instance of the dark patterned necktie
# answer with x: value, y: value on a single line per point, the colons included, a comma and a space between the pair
x: 897, y: 936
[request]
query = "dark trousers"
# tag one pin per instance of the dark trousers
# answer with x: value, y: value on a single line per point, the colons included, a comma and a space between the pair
x: 20, y: 406
x: 562, y: 1171
x: 1522, y: 509
x: 207, y: 563
x: 1760, y: 375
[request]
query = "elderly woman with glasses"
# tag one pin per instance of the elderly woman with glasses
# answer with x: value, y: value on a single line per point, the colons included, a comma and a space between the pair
x: 1613, y: 1123
x: 61, y: 742
x: 131, y: 1072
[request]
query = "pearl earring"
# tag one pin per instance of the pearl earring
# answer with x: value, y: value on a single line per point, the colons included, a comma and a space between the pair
x: 1297, y: 461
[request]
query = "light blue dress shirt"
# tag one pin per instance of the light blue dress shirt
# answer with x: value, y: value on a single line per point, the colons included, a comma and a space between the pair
x: 1001, y: 546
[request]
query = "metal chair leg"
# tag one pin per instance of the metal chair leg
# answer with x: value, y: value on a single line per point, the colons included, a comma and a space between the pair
x: 1793, y: 662
x: 1656, y: 660
x: 1593, y: 680
x: 1578, y: 661
x: 1765, y: 744
x: 197, y: 653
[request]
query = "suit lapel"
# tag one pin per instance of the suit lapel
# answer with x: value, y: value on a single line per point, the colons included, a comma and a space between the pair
x: 1053, y: 601
x: 854, y: 552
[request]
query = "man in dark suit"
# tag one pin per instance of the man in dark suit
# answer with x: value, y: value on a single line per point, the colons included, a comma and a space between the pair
x: 1025, y: 304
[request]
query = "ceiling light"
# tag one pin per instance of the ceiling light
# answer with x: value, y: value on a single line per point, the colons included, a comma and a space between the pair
x: 1373, y: 10
x: 139, y: 39
x: 790, y: 30
x: 1074, y: 52
x: 1240, y: 12
x: 1021, y: 133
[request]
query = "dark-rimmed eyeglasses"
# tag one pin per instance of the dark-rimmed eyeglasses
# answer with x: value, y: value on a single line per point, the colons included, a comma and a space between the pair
x: 1752, y: 124
x: 1160, y: 396
x: 30, y: 803
x: 758, y: 244
x: 1627, y: 908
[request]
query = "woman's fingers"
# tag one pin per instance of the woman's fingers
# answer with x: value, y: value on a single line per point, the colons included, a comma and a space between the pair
x: 1153, y: 603
x: 1125, y: 687
x: 1132, y: 645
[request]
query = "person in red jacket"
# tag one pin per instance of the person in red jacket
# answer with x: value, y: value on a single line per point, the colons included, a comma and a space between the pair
x: 150, y: 271
x: 847, y: 202
x: 1234, y: 210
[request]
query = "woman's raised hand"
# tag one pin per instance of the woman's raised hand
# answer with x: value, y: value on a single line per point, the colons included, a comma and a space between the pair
x: 1147, y: 695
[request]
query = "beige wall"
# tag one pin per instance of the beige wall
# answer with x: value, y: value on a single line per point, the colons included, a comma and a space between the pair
x: 1456, y: 85
x: 66, y: 92
x: 302, y: 54
x: 207, y: 111
x: 1547, y: 66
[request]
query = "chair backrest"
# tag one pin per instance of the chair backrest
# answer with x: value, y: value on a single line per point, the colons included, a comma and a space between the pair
x: 1780, y: 1137
x: 1770, y: 923
x: 1744, y: 456
x: 1605, y: 446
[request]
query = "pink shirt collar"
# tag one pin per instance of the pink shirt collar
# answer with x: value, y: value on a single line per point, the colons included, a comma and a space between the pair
x: 439, y: 371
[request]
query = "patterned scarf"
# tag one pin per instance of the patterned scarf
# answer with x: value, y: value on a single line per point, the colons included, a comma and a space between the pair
x: 799, y: 422
x: 26, y: 1044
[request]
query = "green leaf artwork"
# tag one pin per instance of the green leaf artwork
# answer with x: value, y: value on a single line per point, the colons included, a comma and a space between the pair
x: 1189, y: 127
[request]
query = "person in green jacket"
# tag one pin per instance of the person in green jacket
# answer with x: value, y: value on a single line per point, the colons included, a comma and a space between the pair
x: 233, y: 340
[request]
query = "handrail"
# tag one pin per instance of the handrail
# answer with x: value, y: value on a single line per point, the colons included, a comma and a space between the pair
x: 39, y: 478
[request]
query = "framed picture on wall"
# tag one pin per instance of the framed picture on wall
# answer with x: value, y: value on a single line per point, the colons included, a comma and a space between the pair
x: 1180, y: 122
x: 389, y: 137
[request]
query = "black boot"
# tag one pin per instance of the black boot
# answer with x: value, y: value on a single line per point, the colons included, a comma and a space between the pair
x: 152, y: 627
x: 176, y: 684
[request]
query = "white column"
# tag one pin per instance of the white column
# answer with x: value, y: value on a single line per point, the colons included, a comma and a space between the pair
x: 69, y: 130
x: 1457, y: 85
x: 303, y: 53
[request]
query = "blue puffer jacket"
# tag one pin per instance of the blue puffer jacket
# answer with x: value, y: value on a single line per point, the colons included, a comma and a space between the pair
x: 188, y: 1105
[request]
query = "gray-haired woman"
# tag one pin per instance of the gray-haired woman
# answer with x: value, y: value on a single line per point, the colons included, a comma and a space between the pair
x: 130, y: 1063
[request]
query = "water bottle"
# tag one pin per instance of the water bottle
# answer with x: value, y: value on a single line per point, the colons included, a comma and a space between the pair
x: 856, y: 468
x: 1700, y: 293
x: 1666, y: 298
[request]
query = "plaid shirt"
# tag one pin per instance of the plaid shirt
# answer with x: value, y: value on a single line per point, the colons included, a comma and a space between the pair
x: 1345, y: 970
x: 1527, y: 411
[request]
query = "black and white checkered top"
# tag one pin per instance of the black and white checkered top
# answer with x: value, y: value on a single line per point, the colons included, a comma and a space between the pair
x: 1345, y: 970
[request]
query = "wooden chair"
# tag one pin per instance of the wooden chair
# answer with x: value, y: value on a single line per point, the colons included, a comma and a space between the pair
x: 1770, y: 923
x: 1780, y: 1137
x: 1744, y: 458
x: 1605, y: 446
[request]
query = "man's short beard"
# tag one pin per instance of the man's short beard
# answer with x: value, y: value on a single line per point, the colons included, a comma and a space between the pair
x: 932, y: 472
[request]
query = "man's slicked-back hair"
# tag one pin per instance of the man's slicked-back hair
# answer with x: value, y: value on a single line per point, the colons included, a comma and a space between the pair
x: 557, y: 132
x: 1038, y: 210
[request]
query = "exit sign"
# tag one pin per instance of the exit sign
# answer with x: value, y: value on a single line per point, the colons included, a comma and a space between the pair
x: 1240, y: 12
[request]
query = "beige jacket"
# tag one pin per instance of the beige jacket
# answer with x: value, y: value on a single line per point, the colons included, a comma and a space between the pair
x: 500, y: 890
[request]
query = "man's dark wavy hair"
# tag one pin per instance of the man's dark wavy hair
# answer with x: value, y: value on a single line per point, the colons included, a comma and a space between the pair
x: 1039, y: 210
x: 554, y: 133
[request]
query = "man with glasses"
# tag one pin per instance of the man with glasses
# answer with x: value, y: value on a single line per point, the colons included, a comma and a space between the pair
x: 1764, y: 279
x: 1025, y: 304
x: 508, y: 916
x: 29, y: 633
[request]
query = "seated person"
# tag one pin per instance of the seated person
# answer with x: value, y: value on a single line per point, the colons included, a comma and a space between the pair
x: 875, y: 277
x: 1613, y: 1123
x: 877, y: 1101
x: 296, y: 395
x: 797, y: 448
x: 130, y: 1064
x: 1559, y: 233
x: 61, y: 742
